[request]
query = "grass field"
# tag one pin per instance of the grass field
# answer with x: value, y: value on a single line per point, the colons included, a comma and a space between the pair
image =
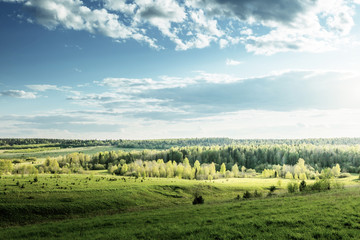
x: 91, y: 206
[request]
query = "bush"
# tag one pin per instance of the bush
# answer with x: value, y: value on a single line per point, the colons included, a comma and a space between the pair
x: 198, y: 200
x: 321, y: 185
x: 272, y: 188
x: 292, y: 187
x: 247, y: 195
x: 302, y: 186
x: 257, y: 194
x: 99, y: 167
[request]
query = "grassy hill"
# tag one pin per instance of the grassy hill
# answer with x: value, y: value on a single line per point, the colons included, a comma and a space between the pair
x: 101, y: 206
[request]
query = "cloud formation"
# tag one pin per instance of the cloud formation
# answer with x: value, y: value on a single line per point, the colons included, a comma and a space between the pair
x: 262, y: 26
x: 232, y: 62
x: 205, y: 94
x: 46, y: 87
x: 18, y: 94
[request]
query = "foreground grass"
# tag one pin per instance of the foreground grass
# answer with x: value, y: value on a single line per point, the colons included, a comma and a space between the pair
x: 108, y: 207
x: 327, y: 215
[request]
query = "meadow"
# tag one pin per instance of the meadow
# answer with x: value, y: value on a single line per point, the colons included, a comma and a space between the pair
x: 97, y: 205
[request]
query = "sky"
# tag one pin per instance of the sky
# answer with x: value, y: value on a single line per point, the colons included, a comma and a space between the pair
x: 150, y: 69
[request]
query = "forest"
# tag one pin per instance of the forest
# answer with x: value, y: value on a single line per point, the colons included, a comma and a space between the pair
x: 19, y: 143
x: 257, y: 157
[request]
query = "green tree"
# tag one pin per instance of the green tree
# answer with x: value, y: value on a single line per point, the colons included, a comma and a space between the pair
x: 235, y: 170
x: 336, y: 170
x: 5, y: 166
x: 223, y: 169
x: 288, y: 175
x: 124, y: 168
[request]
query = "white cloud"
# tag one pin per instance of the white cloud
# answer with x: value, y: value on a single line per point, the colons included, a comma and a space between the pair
x: 46, y: 87
x: 73, y: 14
x: 264, y: 27
x: 232, y: 62
x: 120, y: 5
x: 18, y: 94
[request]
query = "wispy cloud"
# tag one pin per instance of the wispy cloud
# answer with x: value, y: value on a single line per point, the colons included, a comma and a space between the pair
x: 47, y: 87
x: 18, y: 94
x: 206, y: 94
x: 232, y: 62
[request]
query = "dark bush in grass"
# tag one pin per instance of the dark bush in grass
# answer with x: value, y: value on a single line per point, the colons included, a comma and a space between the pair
x: 272, y: 188
x: 247, y: 195
x: 198, y: 200
x: 292, y: 187
x: 302, y: 186
x: 257, y: 194
x: 321, y: 185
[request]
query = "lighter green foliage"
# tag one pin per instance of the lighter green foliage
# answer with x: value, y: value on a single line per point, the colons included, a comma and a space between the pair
x: 235, y: 170
x: 5, y: 166
x: 336, y: 170
x: 289, y: 175
x: 223, y: 169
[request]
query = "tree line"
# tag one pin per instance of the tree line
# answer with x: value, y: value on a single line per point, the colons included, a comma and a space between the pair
x: 250, y: 156
x: 18, y: 143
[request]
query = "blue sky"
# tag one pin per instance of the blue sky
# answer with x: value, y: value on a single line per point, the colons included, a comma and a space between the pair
x: 142, y: 69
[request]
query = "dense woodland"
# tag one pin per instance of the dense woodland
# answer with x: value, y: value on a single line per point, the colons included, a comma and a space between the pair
x: 250, y: 156
x: 18, y: 143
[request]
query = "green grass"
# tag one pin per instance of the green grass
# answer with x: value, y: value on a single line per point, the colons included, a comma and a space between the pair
x: 101, y: 206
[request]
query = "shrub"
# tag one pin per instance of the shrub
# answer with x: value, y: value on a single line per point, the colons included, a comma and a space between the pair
x: 247, y: 195
x: 272, y: 188
x: 321, y: 185
x: 257, y: 194
x: 292, y: 187
x: 198, y: 200
x: 99, y: 167
x: 302, y: 186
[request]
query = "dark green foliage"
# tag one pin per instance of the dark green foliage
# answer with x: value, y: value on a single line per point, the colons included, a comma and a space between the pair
x: 302, y: 186
x: 321, y: 185
x: 198, y: 200
x: 257, y: 194
x: 256, y: 154
x: 293, y: 187
x: 247, y: 195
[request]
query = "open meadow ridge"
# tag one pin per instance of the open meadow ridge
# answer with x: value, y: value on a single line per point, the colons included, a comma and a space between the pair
x: 111, y: 192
